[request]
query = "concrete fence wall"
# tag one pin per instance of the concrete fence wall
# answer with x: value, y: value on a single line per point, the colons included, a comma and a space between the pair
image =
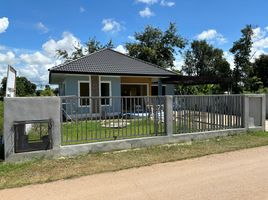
x: 255, y: 111
x: 266, y: 97
x: 41, y: 108
x: 30, y: 109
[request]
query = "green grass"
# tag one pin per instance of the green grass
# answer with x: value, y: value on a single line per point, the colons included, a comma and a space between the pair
x: 96, y: 130
x: 37, y: 131
x: 45, y: 170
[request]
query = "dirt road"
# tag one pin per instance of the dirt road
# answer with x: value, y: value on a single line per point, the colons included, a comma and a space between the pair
x: 235, y: 175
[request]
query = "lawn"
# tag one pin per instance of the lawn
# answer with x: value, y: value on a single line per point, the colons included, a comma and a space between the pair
x: 85, y: 131
x: 45, y: 170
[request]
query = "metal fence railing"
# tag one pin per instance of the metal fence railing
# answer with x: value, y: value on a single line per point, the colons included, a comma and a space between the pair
x: 205, y: 113
x: 92, y: 119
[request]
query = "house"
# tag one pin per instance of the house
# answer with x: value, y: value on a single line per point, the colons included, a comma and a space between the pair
x: 109, y: 73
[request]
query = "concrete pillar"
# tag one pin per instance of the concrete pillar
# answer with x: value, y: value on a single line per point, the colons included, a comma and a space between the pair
x: 95, y: 93
x: 160, y: 92
x: 246, y: 112
x: 254, y: 111
x: 263, y: 111
x: 169, y: 114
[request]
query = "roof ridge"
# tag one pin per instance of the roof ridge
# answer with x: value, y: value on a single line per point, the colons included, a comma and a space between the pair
x: 65, y: 63
x: 146, y: 62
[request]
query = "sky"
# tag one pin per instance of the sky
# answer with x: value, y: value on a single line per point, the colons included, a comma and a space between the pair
x: 32, y: 30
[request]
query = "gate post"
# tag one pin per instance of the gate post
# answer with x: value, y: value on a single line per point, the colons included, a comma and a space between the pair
x: 246, y: 112
x: 169, y: 114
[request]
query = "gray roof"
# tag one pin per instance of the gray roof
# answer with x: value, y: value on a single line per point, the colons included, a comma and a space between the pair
x: 110, y: 62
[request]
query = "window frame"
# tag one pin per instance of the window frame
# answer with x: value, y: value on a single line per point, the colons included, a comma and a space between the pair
x: 79, y: 100
x: 110, y: 92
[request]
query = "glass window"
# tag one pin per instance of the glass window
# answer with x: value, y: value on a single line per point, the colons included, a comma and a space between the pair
x: 84, y: 88
x: 155, y: 90
x: 105, y: 92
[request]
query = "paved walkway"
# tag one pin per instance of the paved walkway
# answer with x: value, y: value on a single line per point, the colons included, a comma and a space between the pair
x: 235, y: 175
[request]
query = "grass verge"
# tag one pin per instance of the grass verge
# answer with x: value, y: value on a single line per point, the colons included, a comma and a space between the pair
x: 45, y: 170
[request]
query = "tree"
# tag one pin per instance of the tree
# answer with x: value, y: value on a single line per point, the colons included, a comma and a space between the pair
x: 47, y: 91
x: 24, y: 87
x: 260, y: 69
x: 203, y: 59
x: 243, y: 67
x: 92, y: 45
x: 156, y: 46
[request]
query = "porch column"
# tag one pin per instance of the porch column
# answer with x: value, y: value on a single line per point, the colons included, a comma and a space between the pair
x: 95, y: 93
x: 160, y: 92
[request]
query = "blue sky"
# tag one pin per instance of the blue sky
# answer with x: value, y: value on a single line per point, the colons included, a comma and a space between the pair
x: 31, y: 30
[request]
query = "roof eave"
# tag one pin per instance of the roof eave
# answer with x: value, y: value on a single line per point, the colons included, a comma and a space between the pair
x: 112, y: 74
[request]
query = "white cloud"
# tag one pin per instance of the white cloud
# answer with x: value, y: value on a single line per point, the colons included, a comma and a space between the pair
x: 258, y: 34
x: 110, y: 25
x: 130, y: 37
x: 40, y: 26
x: 3, y: 24
x: 35, y: 58
x: 230, y: 58
x: 167, y: 3
x: 68, y: 42
x: 7, y: 58
x: 146, y: 12
x: 212, y: 36
x: 35, y: 64
x: 82, y: 9
x: 120, y: 48
x: 3, y: 71
x: 178, y: 63
x: 260, y: 42
x: 149, y: 2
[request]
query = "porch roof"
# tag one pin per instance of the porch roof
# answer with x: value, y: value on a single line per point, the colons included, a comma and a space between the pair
x: 111, y: 62
x: 196, y: 80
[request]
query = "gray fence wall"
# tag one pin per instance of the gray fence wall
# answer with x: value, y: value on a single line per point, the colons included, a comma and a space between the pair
x: 255, y: 111
x: 30, y: 109
x: 243, y: 112
x: 266, y: 95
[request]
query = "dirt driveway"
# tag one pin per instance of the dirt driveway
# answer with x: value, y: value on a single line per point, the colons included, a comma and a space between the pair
x: 236, y: 175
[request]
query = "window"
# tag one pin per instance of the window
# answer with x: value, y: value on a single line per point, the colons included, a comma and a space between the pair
x: 84, y: 88
x: 105, y: 92
x: 155, y: 90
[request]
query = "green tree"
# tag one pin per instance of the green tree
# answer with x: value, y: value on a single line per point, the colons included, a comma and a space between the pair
x: 243, y: 67
x: 203, y: 59
x: 24, y: 87
x: 47, y: 91
x: 260, y: 69
x: 156, y: 46
x: 91, y: 46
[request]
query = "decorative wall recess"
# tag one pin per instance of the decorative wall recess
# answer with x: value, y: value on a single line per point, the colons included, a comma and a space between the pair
x: 32, y: 135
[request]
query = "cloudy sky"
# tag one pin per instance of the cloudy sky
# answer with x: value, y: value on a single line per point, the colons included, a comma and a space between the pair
x: 31, y: 30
